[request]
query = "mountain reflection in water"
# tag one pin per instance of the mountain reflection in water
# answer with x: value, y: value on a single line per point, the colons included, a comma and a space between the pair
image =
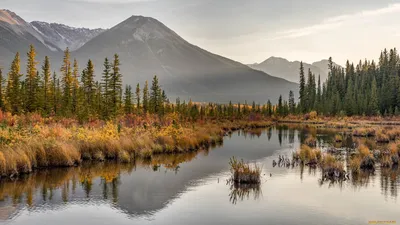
x: 142, y: 190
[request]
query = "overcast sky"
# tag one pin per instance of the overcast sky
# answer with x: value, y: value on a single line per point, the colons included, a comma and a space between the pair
x: 245, y: 30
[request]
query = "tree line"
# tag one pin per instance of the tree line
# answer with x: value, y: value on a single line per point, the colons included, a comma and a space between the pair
x: 75, y: 93
x: 368, y: 88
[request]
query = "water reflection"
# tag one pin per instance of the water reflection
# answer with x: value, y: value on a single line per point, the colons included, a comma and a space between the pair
x: 240, y: 192
x: 146, y: 187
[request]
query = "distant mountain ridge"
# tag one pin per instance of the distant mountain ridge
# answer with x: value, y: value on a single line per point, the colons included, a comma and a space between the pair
x: 146, y: 48
x: 64, y: 36
x: 289, y: 70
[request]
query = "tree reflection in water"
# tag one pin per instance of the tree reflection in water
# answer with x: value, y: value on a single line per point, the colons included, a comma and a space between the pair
x: 240, y: 192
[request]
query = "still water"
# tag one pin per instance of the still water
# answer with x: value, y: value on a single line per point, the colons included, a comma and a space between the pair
x: 193, y: 189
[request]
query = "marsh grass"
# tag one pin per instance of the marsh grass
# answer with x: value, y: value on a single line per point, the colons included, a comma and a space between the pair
x: 311, y: 141
x: 26, y: 146
x: 308, y: 155
x: 338, y: 138
x: 244, y: 173
x: 364, y: 132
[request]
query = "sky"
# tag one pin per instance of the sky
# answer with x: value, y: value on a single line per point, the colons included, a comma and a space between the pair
x: 247, y: 31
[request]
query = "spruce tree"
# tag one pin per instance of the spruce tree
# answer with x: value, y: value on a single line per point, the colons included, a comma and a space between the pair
x: 292, y: 103
x: 302, y: 90
x: 66, y: 81
x: 46, y: 89
x: 115, y: 86
x: 31, y: 81
x: 146, y: 97
x: 373, y: 103
x: 155, y: 96
x: 13, y: 92
x: 128, y: 100
x: 89, y: 84
x: 75, y: 87
x: 137, y: 97
x: 106, y: 80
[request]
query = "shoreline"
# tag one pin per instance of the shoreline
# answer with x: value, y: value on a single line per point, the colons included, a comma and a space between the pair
x: 25, y: 158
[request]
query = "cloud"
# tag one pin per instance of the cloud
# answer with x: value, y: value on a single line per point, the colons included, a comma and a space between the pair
x: 335, y: 22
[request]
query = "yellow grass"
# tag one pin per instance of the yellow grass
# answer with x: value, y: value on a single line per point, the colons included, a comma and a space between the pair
x: 60, y: 144
x: 355, y: 164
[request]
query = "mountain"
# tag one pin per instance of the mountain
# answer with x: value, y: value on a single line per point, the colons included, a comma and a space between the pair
x: 288, y: 70
x: 16, y: 36
x: 146, y: 48
x: 64, y: 36
x: 323, y: 65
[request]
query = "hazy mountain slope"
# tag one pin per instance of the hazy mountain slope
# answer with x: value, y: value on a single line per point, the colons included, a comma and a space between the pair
x: 64, y: 36
x: 288, y: 70
x: 323, y: 65
x: 147, y: 48
x: 16, y: 36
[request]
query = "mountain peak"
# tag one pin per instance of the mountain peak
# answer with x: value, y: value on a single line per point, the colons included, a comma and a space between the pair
x: 11, y: 17
x: 145, y: 28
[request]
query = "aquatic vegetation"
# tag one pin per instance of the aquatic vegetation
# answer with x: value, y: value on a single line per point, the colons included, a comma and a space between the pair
x: 311, y: 141
x: 332, y: 167
x: 338, y: 138
x: 308, y: 155
x: 381, y: 136
x: 364, y: 132
x: 244, y: 172
x: 355, y: 164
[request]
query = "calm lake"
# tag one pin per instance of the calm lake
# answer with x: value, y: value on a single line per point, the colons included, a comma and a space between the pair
x: 193, y: 189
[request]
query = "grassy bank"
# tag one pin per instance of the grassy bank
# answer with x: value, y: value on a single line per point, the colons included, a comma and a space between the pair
x: 29, y: 143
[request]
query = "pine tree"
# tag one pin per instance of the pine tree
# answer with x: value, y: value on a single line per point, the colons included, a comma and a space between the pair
x: 302, y: 90
x: 75, y: 87
x: 146, y: 98
x: 319, y: 93
x: 46, y: 89
x: 13, y: 94
x: 115, y: 86
x: 106, y: 80
x: 137, y: 97
x: 292, y: 104
x: 128, y: 100
x: 155, y: 96
x: 280, y: 106
x: 89, y: 84
x: 349, y: 99
x: 66, y: 74
x: 373, y: 103
x: 31, y: 81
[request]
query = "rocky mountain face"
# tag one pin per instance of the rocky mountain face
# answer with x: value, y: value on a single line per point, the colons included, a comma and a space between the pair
x: 16, y: 36
x: 288, y: 70
x: 64, y: 36
x: 146, y: 48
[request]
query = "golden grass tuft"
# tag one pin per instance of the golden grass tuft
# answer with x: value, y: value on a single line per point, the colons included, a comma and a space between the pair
x: 364, y: 151
x: 382, y: 137
x: 355, y: 164
x: 244, y: 173
x: 338, y: 138
x: 311, y: 141
x: 308, y: 155
x: 330, y: 162
x: 364, y: 132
